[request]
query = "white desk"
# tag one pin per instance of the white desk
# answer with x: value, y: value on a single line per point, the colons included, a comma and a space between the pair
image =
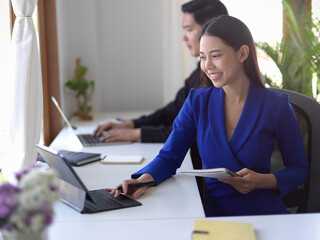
x: 168, y: 210
x: 273, y: 227
x: 177, y: 197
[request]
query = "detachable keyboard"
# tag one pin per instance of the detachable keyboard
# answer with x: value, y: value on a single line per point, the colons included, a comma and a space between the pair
x: 103, y: 201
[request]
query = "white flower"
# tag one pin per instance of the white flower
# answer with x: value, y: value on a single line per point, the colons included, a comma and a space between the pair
x: 17, y: 220
x: 37, y: 189
x: 37, y: 223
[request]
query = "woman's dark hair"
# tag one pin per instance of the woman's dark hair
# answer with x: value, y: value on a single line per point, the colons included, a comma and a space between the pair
x: 235, y: 34
x: 204, y: 10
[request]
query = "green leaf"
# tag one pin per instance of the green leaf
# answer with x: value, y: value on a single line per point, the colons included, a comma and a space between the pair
x: 81, y: 71
x: 73, y: 84
x: 298, y: 54
x: 91, y: 82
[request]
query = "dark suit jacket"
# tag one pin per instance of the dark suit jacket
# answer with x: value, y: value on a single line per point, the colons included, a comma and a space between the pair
x: 267, y: 117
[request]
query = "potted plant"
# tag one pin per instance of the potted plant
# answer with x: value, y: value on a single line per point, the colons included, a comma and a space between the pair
x: 83, y: 90
x: 298, y: 54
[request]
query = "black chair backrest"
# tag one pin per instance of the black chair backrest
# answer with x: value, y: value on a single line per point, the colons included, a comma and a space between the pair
x: 305, y: 198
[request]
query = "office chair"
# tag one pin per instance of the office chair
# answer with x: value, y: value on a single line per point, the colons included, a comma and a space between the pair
x: 305, y: 198
x: 197, y: 164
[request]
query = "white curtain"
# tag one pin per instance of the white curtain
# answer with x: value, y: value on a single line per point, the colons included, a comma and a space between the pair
x: 26, y: 115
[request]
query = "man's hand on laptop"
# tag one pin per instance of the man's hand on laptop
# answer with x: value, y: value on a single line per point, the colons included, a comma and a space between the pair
x: 125, y: 124
x: 118, y: 135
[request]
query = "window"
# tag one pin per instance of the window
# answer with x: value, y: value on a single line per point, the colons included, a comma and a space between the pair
x: 264, y: 19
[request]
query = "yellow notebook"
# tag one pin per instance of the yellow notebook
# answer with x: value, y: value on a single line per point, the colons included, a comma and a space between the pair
x: 222, y: 230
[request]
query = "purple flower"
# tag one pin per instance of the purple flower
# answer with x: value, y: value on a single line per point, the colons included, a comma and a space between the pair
x: 8, y: 227
x: 23, y: 172
x: 47, y: 218
x: 27, y: 220
x: 8, y: 200
x: 54, y: 188
x: 20, y: 174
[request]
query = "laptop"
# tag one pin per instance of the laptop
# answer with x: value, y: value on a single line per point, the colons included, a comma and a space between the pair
x: 74, y: 192
x: 87, y: 140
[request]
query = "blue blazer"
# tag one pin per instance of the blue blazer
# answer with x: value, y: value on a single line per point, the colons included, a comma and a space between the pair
x: 267, y: 117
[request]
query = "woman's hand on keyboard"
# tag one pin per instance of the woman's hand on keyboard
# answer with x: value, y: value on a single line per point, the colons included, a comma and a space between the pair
x: 134, y: 192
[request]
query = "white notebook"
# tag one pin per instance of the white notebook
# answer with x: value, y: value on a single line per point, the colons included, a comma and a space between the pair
x: 211, y: 173
x: 122, y: 159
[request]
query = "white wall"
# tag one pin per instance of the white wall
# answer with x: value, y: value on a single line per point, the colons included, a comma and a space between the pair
x: 133, y: 50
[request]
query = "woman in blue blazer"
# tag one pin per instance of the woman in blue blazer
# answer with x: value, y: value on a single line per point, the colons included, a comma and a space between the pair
x: 236, y: 124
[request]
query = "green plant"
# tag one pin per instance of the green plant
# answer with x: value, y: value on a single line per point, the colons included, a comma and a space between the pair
x: 297, y: 55
x: 82, y: 87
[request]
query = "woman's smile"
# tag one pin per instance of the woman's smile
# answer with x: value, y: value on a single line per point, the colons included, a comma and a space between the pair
x: 215, y: 76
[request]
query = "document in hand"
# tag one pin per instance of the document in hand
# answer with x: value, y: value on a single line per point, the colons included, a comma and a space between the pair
x: 211, y: 173
x: 221, y: 230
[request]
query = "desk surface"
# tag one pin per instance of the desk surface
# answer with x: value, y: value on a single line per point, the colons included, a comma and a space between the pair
x: 272, y: 227
x: 177, y: 197
x: 168, y: 210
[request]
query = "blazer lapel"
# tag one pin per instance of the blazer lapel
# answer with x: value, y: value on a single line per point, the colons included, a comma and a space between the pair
x: 218, y: 123
x: 248, y: 118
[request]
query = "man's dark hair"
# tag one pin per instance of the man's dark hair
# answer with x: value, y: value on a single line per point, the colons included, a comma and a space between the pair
x: 204, y: 10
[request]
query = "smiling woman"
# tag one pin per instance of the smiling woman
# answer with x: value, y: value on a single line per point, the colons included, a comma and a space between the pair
x: 208, y: 112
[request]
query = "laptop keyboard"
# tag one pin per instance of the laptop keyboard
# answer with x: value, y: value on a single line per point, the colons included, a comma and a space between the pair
x: 104, y: 201
x: 89, y: 139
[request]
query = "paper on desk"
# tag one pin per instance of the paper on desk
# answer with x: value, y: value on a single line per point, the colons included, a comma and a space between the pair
x: 122, y: 159
x: 222, y: 230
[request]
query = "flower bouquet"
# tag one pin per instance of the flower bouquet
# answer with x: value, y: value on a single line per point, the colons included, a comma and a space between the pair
x: 26, y: 208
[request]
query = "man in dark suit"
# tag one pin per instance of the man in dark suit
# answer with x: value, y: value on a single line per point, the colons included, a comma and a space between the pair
x: 157, y: 126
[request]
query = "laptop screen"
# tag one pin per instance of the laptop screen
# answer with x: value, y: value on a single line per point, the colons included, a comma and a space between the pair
x: 61, y: 167
x: 61, y: 112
